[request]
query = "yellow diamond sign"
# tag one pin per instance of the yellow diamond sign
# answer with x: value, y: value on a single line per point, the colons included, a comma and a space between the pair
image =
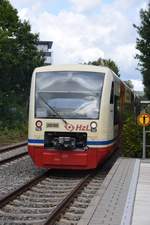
x: 143, y: 119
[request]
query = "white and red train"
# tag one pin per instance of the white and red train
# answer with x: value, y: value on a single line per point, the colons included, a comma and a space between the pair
x: 75, y: 115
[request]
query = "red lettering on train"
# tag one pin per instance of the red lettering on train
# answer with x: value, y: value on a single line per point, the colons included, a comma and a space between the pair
x: 77, y: 127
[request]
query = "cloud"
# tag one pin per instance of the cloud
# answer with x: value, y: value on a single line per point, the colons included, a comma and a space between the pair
x: 22, y: 3
x: 85, y: 5
x: 138, y: 85
x: 126, y: 4
x: 142, y: 5
x: 80, y: 36
x: 82, y: 55
x: 124, y: 56
x: 71, y: 36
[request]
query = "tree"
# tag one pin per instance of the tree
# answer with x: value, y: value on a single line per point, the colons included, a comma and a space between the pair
x: 143, y: 45
x: 129, y: 83
x: 106, y: 62
x: 18, y: 57
x: 131, y: 137
x: 18, y: 52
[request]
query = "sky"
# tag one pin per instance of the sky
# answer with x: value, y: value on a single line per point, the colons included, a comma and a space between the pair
x: 85, y: 30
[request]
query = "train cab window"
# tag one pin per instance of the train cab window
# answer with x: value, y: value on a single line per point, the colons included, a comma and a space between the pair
x: 68, y: 94
x: 112, y: 94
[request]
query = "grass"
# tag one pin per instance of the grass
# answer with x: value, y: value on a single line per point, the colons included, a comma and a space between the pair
x: 12, y: 136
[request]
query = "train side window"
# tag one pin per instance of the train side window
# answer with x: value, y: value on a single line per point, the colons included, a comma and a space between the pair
x: 112, y: 93
x: 116, y: 109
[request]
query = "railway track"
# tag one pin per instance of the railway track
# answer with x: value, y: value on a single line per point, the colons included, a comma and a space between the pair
x: 39, y: 199
x: 12, y: 152
x: 53, y: 198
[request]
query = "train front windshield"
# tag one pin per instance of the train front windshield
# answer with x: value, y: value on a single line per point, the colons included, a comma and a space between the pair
x: 70, y: 95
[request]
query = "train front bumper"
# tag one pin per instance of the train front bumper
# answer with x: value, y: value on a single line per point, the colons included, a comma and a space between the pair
x: 88, y: 159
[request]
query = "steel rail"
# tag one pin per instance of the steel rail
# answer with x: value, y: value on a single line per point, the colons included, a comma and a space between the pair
x: 11, y: 196
x: 12, y: 147
x: 12, y: 158
x: 66, y: 202
x: 105, y: 166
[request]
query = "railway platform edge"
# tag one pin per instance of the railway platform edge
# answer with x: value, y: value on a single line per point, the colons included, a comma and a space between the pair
x: 123, y: 196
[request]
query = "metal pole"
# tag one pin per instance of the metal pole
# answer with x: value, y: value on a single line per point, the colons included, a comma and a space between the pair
x: 144, y: 143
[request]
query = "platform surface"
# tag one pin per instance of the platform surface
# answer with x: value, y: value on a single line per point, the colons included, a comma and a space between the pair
x: 141, y: 213
x: 124, y: 197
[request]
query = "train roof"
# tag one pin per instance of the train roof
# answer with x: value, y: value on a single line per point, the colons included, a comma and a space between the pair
x: 73, y: 67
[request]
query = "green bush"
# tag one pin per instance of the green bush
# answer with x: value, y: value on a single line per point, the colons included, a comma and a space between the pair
x: 13, y: 123
x: 131, y: 139
x: 13, y: 135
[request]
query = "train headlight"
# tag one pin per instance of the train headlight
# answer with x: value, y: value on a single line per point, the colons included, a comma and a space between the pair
x: 93, y: 126
x: 38, y: 123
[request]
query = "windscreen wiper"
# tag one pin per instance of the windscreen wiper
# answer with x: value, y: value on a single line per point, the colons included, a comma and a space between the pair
x: 51, y: 108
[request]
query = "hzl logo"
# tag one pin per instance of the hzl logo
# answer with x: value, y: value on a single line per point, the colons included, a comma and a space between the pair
x: 78, y: 127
